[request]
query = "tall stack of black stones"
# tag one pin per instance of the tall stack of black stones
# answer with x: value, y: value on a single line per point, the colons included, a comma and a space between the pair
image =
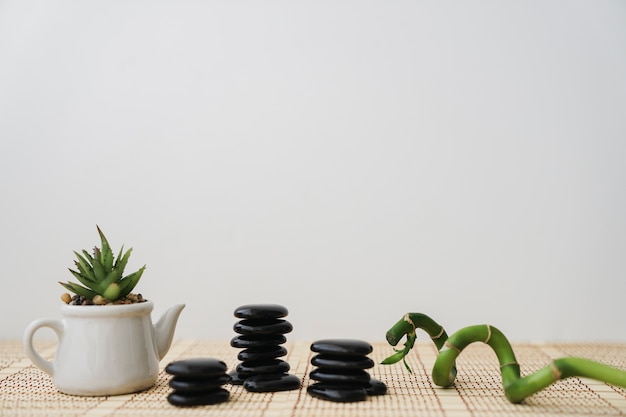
x: 261, y: 332
x: 341, y: 371
x: 197, y: 381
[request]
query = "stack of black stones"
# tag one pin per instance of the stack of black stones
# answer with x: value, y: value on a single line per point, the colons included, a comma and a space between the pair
x: 197, y: 382
x: 261, y: 332
x: 341, y: 371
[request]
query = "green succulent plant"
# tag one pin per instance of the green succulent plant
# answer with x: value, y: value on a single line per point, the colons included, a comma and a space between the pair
x: 103, y: 274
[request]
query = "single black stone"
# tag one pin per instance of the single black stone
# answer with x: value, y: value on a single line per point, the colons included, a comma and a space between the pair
x: 342, y: 347
x: 337, y: 392
x: 261, y: 311
x: 375, y: 387
x: 235, y: 379
x: 268, y: 366
x: 260, y: 340
x: 271, y: 383
x: 335, y: 376
x: 262, y: 326
x: 187, y: 399
x: 196, y: 367
x: 342, y: 362
x: 268, y: 352
x: 183, y: 384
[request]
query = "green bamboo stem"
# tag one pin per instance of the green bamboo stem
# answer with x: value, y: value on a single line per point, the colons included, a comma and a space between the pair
x: 516, y: 388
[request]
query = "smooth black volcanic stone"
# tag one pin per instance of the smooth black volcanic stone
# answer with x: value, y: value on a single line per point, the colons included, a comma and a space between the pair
x: 269, y: 366
x: 375, y: 387
x: 235, y: 379
x: 196, y: 367
x: 268, y: 352
x: 342, y: 362
x: 340, y: 376
x: 261, y: 311
x: 260, y: 340
x: 182, y: 384
x: 262, y: 326
x: 337, y: 393
x: 271, y: 383
x: 339, y: 347
x: 215, y: 396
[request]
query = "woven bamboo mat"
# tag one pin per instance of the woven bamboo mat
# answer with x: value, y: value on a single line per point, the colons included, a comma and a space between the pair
x: 27, y: 391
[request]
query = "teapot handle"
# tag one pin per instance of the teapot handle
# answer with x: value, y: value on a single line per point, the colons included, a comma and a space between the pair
x: 33, y: 355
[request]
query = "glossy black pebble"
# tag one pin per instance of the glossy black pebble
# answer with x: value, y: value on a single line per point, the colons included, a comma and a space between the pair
x: 268, y: 352
x: 261, y: 311
x: 337, y: 393
x: 218, y: 395
x: 196, y: 367
x: 333, y: 376
x: 375, y: 387
x: 342, y: 362
x: 235, y: 379
x: 342, y: 347
x: 182, y: 384
x: 269, y: 366
x: 259, y: 340
x: 271, y: 383
x: 262, y: 326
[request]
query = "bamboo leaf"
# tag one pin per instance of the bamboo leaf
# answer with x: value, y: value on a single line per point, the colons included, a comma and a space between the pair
x: 396, y: 357
x: 406, y: 365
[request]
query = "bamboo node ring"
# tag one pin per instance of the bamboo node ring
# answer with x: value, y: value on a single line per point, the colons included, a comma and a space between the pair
x: 441, y: 332
x: 488, y: 334
x: 451, y: 346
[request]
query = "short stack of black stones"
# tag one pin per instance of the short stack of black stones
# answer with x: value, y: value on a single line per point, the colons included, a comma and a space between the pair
x: 261, y: 332
x: 197, y: 381
x: 341, y: 371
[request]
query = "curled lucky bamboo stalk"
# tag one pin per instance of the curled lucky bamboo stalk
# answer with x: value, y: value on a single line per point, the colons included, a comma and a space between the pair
x: 516, y: 388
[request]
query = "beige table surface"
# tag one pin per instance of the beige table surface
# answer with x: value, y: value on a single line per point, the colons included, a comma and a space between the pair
x: 27, y: 391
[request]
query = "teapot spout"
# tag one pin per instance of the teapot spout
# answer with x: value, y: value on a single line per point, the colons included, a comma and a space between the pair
x: 164, y: 329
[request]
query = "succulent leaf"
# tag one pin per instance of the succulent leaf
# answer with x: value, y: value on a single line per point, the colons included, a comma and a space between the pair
x: 83, y: 280
x: 120, y: 264
x: 113, y: 277
x: 88, y: 257
x: 84, y: 267
x: 112, y: 292
x: 107, y: 254
x: 98, y: 269
x: 102, y: 273
x: 117, y: 260
x: 97, y: 254
x: 78, y: 289
x: 129, y: 282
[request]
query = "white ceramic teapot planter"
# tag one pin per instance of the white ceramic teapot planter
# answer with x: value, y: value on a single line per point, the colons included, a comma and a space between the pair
x: 105, y: 350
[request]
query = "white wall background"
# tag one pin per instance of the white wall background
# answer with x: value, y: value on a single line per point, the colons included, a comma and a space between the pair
x: 352, y: 160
